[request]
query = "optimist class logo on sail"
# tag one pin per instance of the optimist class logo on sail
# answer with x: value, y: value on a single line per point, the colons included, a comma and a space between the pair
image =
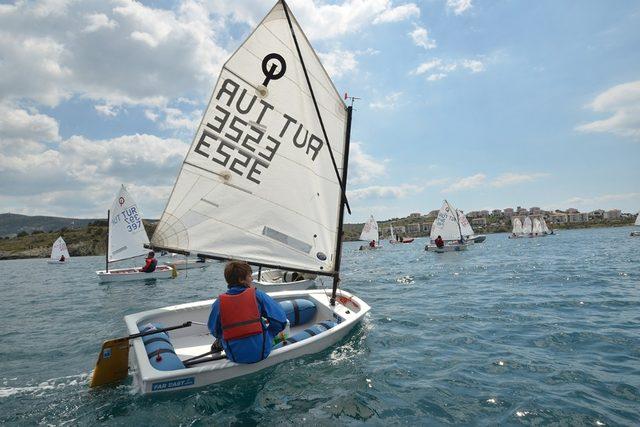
x: 243, y: 131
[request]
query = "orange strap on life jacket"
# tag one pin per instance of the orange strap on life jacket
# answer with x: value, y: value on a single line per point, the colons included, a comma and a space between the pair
x: 239, y: 315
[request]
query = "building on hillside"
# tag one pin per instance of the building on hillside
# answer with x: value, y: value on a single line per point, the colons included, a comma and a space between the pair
x: 400, y: 229
x: 433, y: 213
x: 578, y: 217
x: 479, y: 222
x: 426, y: 227
x: 523, y: 211
x: 413, y: 228
x: 496, y: 212
x: 572, y: 211
x: 613, y: 214
x: 597, y: 214
x: 559, y: 218
x: 508, y: 212
x: 484, y: 212
x: 534, y: 210
x: 415, y: 215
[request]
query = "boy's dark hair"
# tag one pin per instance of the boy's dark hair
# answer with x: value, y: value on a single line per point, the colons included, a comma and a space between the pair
x: 151, y: 254
x: 235, y: 271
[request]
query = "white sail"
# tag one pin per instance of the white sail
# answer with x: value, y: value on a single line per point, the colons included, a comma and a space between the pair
x: 545, y: 228
x: 127, y: 235
x: 537, y: 226
x: 370, y: 231
x: 517, y: 226
x: 392, y: 235
x: 637, y: 220
x: 446, y: 224
x: 58, y: 249
x: 465, y: 226
x: 527, y: 226
x: 258, y: 183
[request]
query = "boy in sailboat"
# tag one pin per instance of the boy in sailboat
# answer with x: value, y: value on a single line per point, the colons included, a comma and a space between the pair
x: 150, y: 263
x: 245, y: 320
x: 439, y: 242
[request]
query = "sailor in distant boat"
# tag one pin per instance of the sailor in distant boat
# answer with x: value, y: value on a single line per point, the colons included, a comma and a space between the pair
x: 62, y: 258
x: 439, y: 242
x: 245, y: 320
x: 150, y: 263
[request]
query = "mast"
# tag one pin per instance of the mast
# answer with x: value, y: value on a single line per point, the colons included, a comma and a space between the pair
x: 106, y: 256
x: 343, y: 202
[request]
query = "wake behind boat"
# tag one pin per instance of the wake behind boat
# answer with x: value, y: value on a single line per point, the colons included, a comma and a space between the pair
x: 59, y: 252
x: 263, y: 182
x: 447, y: 226
x: 125, y: 240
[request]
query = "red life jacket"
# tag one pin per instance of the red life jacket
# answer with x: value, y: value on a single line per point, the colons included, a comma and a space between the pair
x: 239, y: 315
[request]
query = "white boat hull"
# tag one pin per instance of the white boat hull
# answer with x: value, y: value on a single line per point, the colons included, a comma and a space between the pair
x: 447, y: 247
x: 369, y: 248
x: 478, y: 239
x: 132, y: 274
x: 189, y: 264
x: 277, y: 280
x: 196, y: 340
x: 635, y: 234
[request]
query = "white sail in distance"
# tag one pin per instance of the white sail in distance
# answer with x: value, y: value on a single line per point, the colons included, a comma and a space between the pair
x: 258, y: 183
x: 446, y: 224
x: 392, y: 235
x: 537, y: 226
x: 370, y: 230
x: 517, y: 226
x: 637, y: 220
x: 58, y: 249
x: 527, y: 227
x: 545, y: 228
x: 127, y: 235
x: 465, y: 226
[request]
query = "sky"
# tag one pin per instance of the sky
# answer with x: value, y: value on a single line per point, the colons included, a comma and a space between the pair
x: 489, y: 104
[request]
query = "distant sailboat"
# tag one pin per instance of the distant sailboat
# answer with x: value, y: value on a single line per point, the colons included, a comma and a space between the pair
x: 536, y: 227
x: 467, y: 230
x: 392, y: 235
x: 637, y: 224
x: 126, y: 240
x: 370, y: 234
x: 447, y: 226
x: 59, y: 252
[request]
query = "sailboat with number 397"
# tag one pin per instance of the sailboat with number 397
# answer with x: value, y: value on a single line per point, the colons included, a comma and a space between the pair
x: 264, y: 182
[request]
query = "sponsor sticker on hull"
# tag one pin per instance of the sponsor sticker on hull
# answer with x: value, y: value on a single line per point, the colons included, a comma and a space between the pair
x: 166, y: 385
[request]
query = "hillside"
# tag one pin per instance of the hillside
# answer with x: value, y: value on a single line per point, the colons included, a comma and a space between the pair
x: 12, y: 224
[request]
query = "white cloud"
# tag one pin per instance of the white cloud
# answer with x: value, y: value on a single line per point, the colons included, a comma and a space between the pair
x: 19, y: 127
x: 339, y: 62
x: 467, y: 183
x: 382, y: 191
x: 363, y: 167
x: 437, y: 76
x: 459, y: 6
x: 399, y: 13
x: 106, y: 110
x: 437, y: 69
x: 389, y: 102
x: 623, y: 103
x: 153, y: 56
x: 510, y: 178
x: 426, y: 66
x: 82, y: 172
x: 605, y: 201
x: 98, y: 21
x: 474, y: 65
x: 420, y: 37
x: 177, y: 119
x: 321, y: 20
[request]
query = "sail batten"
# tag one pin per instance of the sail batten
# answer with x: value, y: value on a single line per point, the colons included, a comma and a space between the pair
x: 261, y: 137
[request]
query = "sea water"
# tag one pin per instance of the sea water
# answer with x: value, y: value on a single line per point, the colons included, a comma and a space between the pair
x: 527, y: 331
